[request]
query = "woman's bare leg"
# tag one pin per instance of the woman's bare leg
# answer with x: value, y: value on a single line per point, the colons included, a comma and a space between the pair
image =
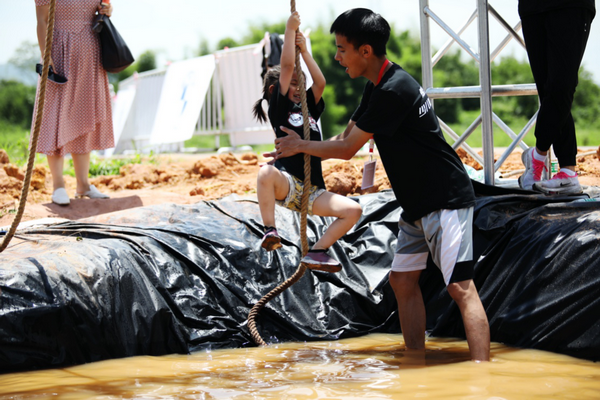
x: 81, y: 164
x: 56, y: 164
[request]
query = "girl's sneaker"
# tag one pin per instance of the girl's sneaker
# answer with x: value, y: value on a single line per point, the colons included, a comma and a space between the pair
x: 561, y: 183
x: 321, y: 261
x: 271, y: 241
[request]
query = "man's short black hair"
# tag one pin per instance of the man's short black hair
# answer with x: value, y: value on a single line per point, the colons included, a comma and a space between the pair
x: 363, y: 26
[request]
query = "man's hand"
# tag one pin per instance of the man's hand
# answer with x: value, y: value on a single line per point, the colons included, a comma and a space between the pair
x: 289, y: 145
x: 271, y: 155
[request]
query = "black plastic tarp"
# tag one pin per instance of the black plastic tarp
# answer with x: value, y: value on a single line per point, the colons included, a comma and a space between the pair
x: 182, y: 278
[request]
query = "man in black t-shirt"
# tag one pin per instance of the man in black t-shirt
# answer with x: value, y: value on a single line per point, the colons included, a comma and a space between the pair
x: 427, y: 177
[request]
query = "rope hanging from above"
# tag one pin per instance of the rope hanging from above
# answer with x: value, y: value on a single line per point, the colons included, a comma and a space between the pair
x: 303, y: 204
x: 36, y: 128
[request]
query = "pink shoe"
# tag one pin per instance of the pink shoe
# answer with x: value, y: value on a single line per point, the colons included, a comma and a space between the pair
x: 561, y: 183
x: 271, y: 241
x: 319, y: 260
x: 533, y: 169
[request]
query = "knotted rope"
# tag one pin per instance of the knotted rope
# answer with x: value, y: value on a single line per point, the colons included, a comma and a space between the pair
x: 36, y: 129
x: 304, y: 209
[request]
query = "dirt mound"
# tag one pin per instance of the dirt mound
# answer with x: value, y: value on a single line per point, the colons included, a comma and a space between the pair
x: 191, y: 178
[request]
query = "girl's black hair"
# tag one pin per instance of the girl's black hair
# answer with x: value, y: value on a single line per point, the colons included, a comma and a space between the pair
x: 271, y: 78
x: 363, y: 26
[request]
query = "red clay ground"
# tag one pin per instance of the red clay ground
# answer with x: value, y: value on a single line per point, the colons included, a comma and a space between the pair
x: 185, y: 179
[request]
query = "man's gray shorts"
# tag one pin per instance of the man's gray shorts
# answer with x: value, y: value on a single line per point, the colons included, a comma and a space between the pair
x: 447, y: 235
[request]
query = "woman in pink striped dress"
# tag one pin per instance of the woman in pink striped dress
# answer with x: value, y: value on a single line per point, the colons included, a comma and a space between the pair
x: 77, y: 114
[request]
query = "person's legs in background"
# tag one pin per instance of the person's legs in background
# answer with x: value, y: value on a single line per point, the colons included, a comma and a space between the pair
x: 56, y: 164
x: 555, y: 52
x: 534, y: 33
x: 81, y: 164
x: 59, y: 193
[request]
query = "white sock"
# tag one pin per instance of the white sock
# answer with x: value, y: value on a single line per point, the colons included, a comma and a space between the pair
x: 538, y: 156
x: 569, y: 172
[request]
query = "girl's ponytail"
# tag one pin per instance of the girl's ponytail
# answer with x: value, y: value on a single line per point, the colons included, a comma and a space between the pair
x: 271, y: 78
x: 258, y: 111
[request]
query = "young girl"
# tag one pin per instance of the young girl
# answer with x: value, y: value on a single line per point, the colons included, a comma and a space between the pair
x: 282, y: 182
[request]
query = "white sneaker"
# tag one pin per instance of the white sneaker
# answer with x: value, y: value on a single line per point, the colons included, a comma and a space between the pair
x: 561, y: 183
x: 61, y: 197
x: 533, y: 169
x: 93, y: 193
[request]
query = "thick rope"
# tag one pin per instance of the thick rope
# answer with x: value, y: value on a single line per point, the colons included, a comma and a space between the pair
x: 304, y: 209
x: 36, y: 130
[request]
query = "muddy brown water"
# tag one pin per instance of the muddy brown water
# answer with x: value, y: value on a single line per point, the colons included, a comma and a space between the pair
x: 369, y: 367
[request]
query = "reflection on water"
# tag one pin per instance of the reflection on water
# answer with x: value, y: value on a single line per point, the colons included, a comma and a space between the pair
x: 370, y: 367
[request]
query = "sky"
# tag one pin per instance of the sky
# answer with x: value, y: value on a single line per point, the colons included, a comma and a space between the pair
x: 174, y: 28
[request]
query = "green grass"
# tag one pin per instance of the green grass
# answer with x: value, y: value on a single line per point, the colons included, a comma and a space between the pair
x: 100, y: 166
x: 588, y: 136
x: 15, y: 141
x: 208, y: 142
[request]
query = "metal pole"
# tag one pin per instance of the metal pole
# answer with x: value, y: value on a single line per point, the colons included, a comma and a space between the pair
x: 485, y: 80
x: 451, y: 41
x: 426, y: 66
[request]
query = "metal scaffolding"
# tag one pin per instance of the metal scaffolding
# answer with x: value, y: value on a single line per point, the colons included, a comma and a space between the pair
x: 485, y: 91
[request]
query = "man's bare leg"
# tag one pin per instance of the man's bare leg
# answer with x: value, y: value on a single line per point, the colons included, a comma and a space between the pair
x: 475, y: 320
x: 411, y: 308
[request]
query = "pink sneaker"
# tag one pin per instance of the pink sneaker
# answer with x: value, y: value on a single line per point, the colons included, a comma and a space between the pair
x: 533, y: 169
x: 319, y: 260
x: 561, y: 183
x: 271, y: 241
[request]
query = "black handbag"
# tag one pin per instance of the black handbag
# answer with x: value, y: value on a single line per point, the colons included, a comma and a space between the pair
x: 115, y: 53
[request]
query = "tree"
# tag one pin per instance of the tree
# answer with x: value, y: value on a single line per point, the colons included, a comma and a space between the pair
x: 203, y: 48
x: 146, y: 61
x: 227, y: 42
x: 511, y: 71
x: 586, y: 108
x: 26, y: 56
x: 342, y: 94
x: 16, y: 103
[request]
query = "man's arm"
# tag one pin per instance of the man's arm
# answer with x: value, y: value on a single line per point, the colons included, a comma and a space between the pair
x: 342, y: 146
x: 346, y: 131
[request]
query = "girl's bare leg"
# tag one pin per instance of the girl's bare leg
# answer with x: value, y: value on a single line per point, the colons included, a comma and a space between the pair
x: 271, y: 185
x: 346, y: 211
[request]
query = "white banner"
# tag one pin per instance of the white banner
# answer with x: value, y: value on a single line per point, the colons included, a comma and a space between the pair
x: 121, y: 106
x: 181, y: 99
